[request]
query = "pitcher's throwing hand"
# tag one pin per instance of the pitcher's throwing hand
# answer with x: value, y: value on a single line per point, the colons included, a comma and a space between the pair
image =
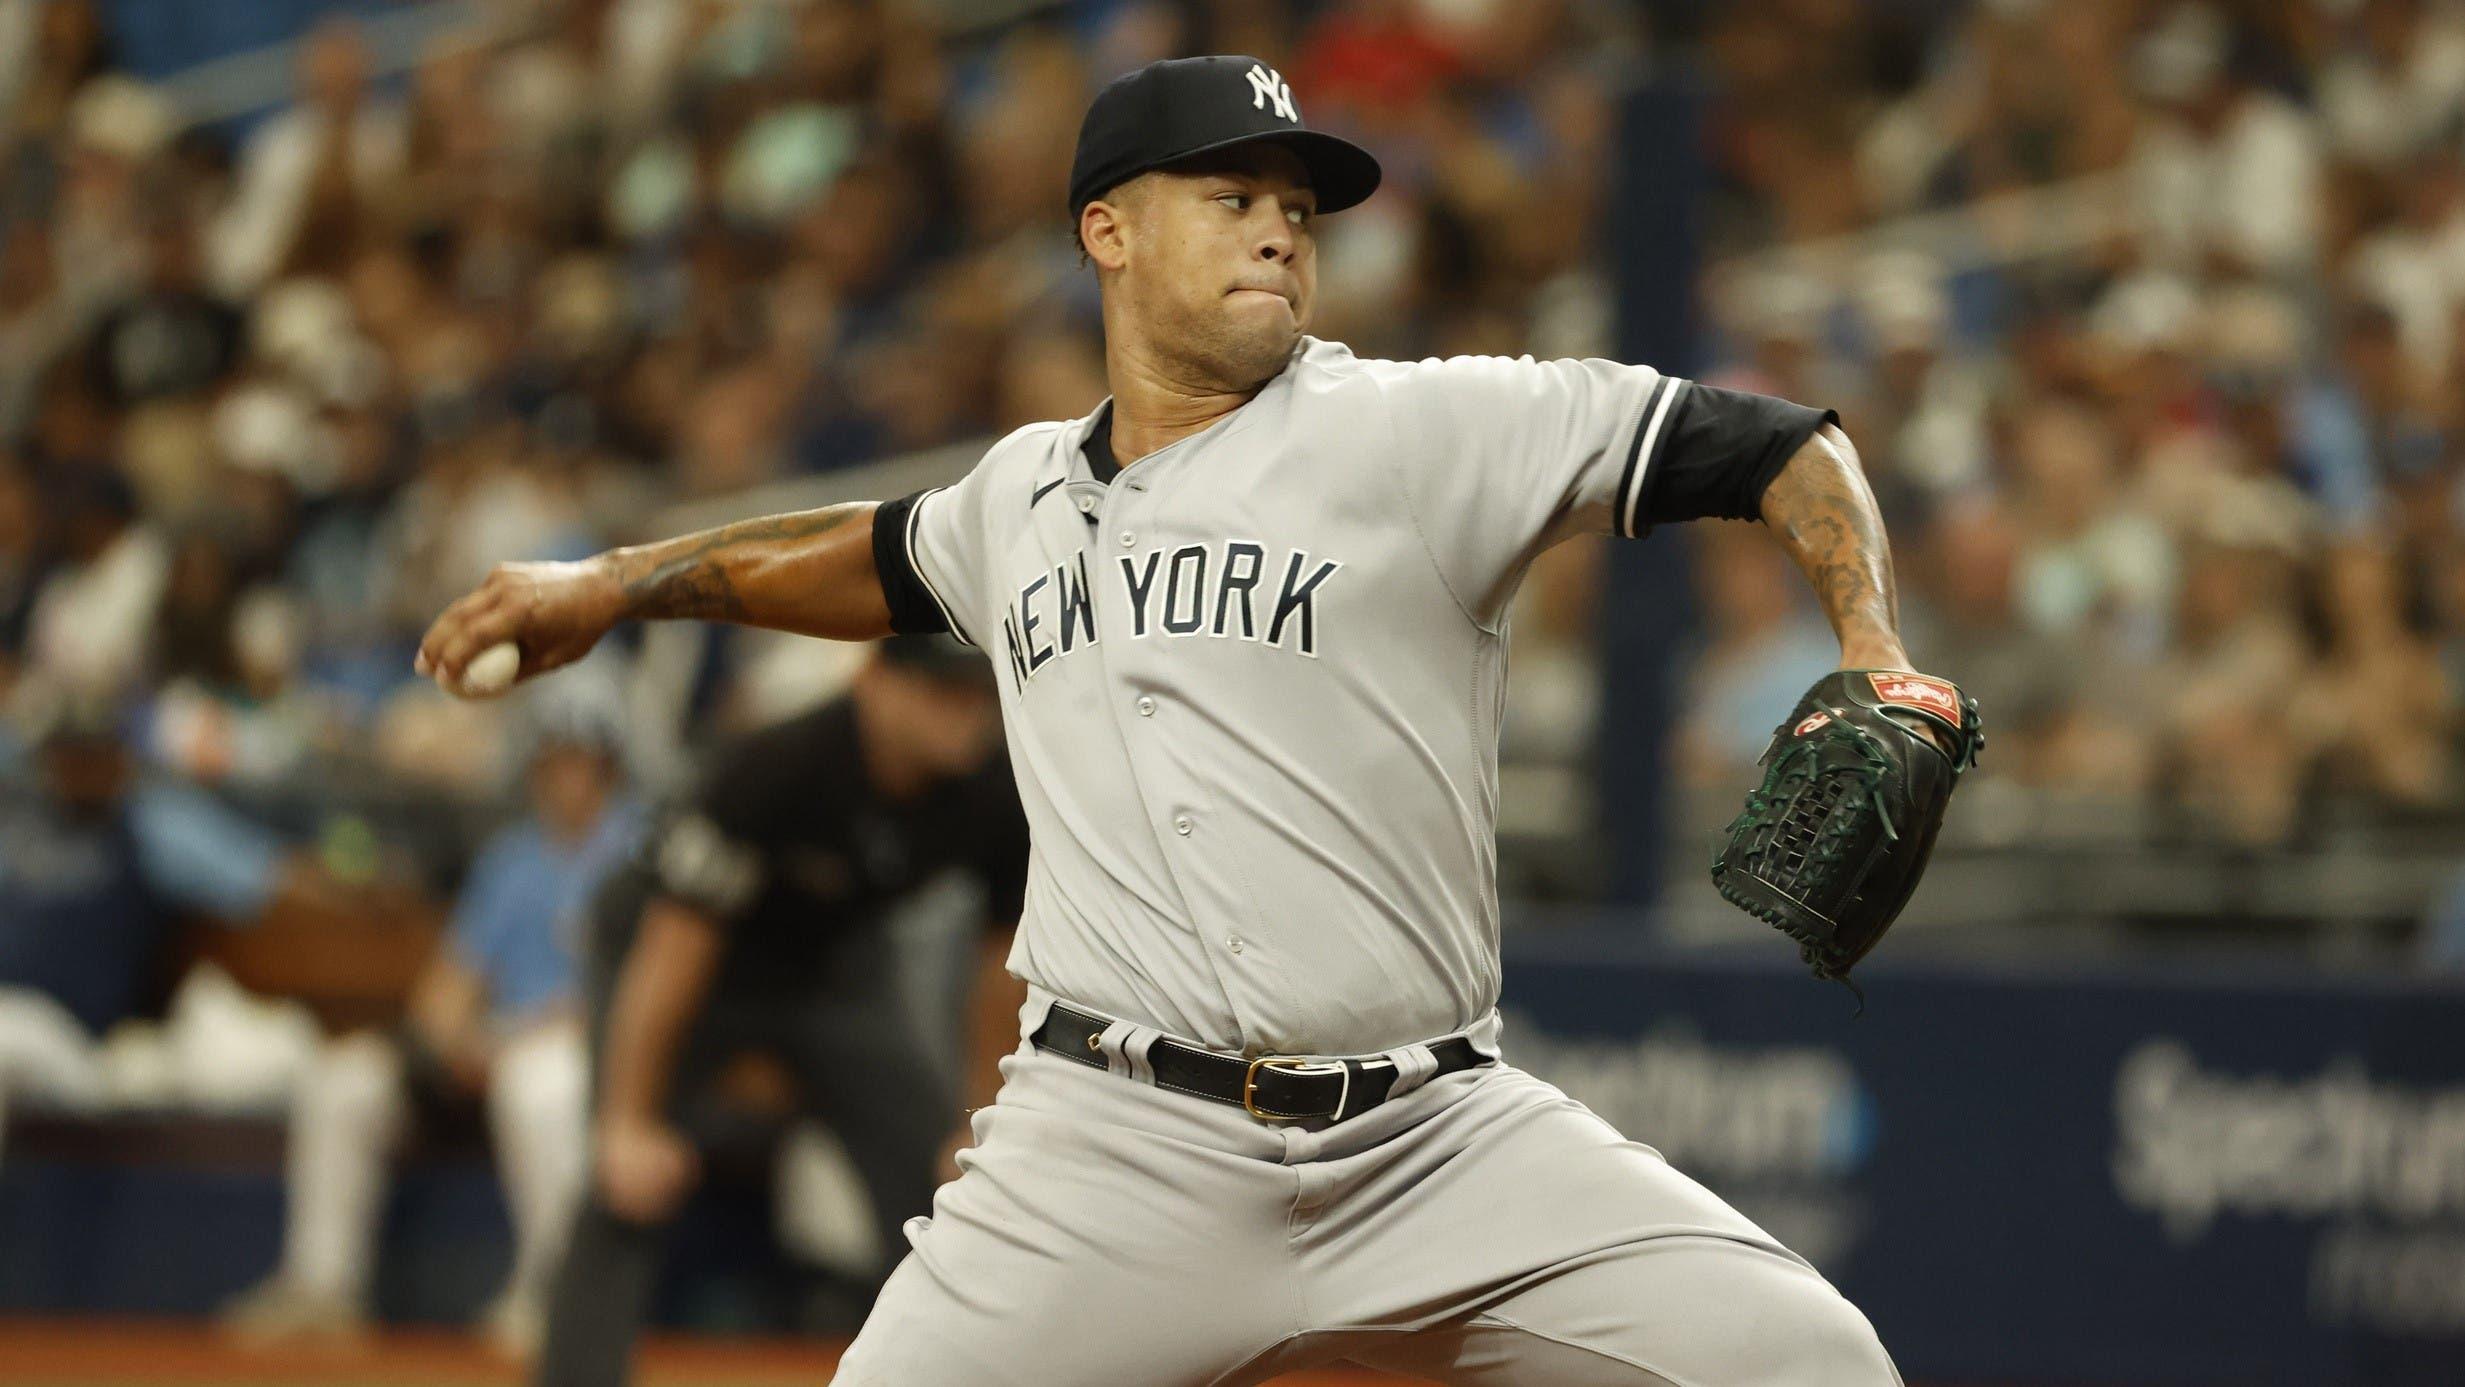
x: 553, y: 612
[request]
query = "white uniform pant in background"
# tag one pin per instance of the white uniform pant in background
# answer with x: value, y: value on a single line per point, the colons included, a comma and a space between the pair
x: 538, y: 1120
x: 1483, y: 1230
x: 44, y: 1055
x: 352, y: 1110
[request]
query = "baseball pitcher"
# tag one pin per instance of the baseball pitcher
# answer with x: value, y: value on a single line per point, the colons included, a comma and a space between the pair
x: 1249, y: 620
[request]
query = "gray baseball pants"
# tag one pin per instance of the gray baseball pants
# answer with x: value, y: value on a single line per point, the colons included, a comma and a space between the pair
x: 1483, y: 1229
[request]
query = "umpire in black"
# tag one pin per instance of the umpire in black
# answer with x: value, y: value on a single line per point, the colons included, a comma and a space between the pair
x: 754, y: 918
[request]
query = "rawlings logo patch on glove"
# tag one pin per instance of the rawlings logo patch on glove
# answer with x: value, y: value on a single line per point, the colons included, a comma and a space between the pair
x: 1831, y: 844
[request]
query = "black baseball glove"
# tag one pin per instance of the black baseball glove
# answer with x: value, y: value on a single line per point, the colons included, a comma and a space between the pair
x: 1831, y: 844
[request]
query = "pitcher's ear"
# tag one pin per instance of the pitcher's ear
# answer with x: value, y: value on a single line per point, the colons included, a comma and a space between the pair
x: 1103, y: 233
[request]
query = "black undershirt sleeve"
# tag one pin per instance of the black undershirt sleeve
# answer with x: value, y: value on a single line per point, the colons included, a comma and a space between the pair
x: 1721, y: 449
x: 913, y: 612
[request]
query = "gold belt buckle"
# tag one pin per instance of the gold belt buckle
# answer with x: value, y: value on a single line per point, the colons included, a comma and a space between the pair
x: 1285, y: 1064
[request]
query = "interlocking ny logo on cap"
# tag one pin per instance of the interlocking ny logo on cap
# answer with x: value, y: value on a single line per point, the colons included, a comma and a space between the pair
x: 1266, y: 84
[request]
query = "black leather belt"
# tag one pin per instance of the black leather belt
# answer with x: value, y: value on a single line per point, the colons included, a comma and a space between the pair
x: 1272, y: 1088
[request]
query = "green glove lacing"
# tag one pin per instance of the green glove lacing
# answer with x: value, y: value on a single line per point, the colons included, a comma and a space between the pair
x: 1785, y: 786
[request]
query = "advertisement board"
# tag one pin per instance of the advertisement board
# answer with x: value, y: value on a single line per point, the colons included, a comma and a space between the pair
x: 2174, y: 1175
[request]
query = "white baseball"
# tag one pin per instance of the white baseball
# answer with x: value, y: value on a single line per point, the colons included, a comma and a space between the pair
x: 491, y: 671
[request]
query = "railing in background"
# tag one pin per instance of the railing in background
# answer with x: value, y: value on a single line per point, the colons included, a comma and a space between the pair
x: 874, y: 481
x: 218, y: 63
x: 180, y: 47
x: 2007, y: 228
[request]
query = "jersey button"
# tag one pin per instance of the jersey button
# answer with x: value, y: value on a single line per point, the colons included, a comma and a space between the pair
x: 1128, y: 539
x: 1182, y: 825
x: 1086, y: 505
x: 1146, y: 706
x: 1233, y: 942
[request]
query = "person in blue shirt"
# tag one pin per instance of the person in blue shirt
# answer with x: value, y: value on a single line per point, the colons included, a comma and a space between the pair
x: 493, y: 1021
x: 100, y: 861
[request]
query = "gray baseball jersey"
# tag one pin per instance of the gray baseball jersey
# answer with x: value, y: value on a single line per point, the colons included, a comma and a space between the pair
x: 1252, y: 686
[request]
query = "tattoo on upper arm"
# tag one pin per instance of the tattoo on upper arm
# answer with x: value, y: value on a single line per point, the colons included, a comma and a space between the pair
x: 695, y: 584
x: 1825, y: 513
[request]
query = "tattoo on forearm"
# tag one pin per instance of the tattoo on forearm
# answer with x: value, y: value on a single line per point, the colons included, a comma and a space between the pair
x: 1824, y: 512
x: 697, y: 580
x: 689, y: 589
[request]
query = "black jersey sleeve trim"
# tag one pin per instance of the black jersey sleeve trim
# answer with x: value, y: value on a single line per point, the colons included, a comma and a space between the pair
x: 915, y: 607
x: 1719, y: 451
x: 1635, y: 479
x: 950, y: 620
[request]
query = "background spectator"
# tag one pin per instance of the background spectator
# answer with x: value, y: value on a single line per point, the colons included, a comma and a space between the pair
x: 496, y: 1018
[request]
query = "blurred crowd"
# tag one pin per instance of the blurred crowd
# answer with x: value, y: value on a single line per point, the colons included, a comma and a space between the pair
x: 2176, y: 496
x: 2168, y: 433
x: 273, y: 391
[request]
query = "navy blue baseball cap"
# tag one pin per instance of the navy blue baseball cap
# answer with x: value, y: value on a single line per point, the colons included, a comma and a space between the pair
x: 1171, y: 110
